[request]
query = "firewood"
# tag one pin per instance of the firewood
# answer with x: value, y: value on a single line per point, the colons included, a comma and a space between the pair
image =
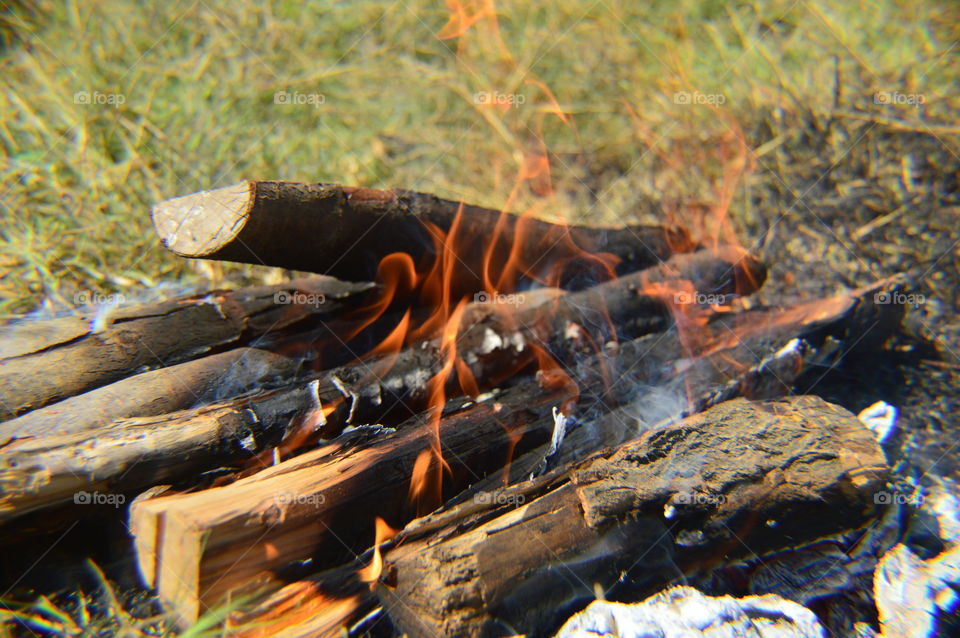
x: 759, y: 354
x: 495, y: 342
x: 198, y: 548
x: 44, y: 363
x: 345, y: 232
x: 185, y: 542
x: 335, y: 490
x: 177, y: 387
x: 127, y: 455
x: 740, y: 477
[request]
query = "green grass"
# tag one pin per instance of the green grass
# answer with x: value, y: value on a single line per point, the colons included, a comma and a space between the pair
x: 198, y: 80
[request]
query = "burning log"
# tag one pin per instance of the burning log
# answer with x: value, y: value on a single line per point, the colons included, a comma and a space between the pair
x: 740, y: 475
x: 328, y: 494
x: 321, y: 504
x: 44, y: 362
x: 345, y: 232
x: 494, y: 343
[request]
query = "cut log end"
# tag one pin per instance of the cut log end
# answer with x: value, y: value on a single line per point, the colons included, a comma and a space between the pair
x: 202, y: 223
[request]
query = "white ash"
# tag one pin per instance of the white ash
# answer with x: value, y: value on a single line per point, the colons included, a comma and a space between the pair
x: 915, y: 597
x: 880, y: 418
x: 684, y: 612
x: 491, y: 342
x: 942, y: 502
x: 560, y: 423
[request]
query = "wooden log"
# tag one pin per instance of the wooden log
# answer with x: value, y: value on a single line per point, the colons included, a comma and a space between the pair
x: 198, y: 548
x: 178, y: 387
x: 758, y: 354
x: 191, y: 538
x: 345, y: 232
x: 132, y: 454
x: 740, y: 477
x: 495, y: 342
x: 45, y: 363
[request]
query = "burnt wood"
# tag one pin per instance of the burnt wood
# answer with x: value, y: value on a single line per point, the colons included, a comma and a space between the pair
x: 742, y: 476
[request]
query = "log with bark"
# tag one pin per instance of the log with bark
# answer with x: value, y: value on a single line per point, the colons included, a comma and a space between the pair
x: 44, y: 362
x: 740, y: 477
x: 345, y: 232
x: 132, y: 454
x: 178, y: 387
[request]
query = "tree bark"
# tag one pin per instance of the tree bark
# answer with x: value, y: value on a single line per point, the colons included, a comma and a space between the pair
x: 345, y: 232
x: 136, y: 453
x: 740, y: 477
x: 178, y: 387
x: 45, y: 363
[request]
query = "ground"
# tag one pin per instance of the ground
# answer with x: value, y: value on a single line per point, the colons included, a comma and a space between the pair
x: 823, y: 136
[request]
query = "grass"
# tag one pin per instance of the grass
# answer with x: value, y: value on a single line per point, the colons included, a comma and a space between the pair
x: 197, y: 82
x: 109, y: 107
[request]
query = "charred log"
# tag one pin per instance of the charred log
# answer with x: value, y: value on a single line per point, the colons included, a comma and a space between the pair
x: 741, y: 475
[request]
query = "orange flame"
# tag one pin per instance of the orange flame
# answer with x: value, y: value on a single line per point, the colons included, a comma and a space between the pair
x: 371, y: 573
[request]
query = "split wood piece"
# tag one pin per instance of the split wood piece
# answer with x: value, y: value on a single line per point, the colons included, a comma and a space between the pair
x: 742, y: 476
x: 45, y: 363
x: 177, y: 387
x: 198, y: 549
x: 132, y: 454
x: 345, y: 232
x: 495, y: 342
